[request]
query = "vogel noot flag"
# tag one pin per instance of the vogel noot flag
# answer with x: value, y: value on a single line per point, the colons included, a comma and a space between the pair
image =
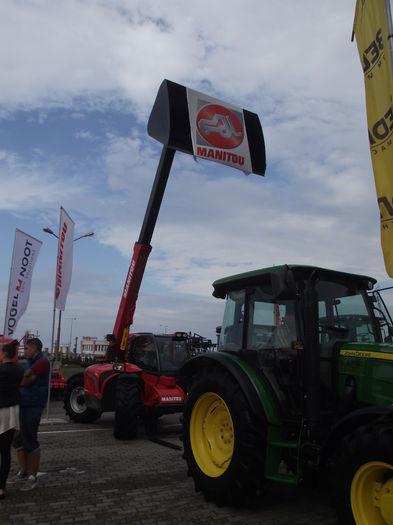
x: 372, y: 20
x: 25, y: 254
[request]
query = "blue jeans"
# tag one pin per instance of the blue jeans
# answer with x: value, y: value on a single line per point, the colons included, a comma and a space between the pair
x: 29, y: 418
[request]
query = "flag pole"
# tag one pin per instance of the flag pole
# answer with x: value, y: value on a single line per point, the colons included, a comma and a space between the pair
x: 52, y: 354
x: 9, y: 287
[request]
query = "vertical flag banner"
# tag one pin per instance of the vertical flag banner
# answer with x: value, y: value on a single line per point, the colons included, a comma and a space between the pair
x: 25, y: 254
x: 64, y: 258
x: 371, y: 30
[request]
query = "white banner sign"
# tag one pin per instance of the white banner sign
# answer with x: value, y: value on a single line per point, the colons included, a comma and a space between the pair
x: 64, y: 258
x: 26, y: 250
x: 218, y: 132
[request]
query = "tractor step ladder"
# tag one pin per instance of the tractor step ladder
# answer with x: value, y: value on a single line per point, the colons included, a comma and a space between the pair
x: 274, y: 448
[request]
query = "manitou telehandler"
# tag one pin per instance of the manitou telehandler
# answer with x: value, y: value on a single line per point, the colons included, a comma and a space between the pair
x: 300, y: 390
x: 152, y: 362
x: 119, y: 383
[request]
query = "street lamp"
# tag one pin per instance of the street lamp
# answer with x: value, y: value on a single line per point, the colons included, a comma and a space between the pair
x: 72, y: 320
x: 51, y: 232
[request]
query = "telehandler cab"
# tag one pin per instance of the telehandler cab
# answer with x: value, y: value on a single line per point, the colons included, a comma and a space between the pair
x: 301, y: 389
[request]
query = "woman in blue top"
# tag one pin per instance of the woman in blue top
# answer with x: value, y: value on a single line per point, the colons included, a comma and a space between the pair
x: 34, y: 395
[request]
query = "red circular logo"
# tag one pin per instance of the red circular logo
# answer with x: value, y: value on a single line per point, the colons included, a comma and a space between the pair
x: 219, y: 126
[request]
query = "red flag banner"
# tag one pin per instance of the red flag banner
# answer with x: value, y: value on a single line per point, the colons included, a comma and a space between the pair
x: 64, y: 258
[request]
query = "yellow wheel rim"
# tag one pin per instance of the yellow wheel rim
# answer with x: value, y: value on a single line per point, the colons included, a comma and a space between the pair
x: 211, y: 434
x: 372, y: 494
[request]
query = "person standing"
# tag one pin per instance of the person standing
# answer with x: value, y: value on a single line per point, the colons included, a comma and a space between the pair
x: 10, y: 378
x: 34, y: 395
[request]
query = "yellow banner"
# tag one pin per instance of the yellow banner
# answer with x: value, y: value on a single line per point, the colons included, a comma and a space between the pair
x: 371, y: 30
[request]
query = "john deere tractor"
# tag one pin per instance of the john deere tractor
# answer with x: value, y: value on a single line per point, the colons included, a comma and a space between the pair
x: 300, y: 390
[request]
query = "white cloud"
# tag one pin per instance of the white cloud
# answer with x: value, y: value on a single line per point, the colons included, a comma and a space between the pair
x: 292, y: 63
x: 31, y: 185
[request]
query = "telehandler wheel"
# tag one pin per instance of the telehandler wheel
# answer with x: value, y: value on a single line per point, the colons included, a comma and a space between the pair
x: 74, y: 402
x: 224, y: 443
x: 127, y: 407
x: 363, y: 492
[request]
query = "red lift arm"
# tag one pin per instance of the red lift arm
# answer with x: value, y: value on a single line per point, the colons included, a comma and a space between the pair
x: 142, y: 249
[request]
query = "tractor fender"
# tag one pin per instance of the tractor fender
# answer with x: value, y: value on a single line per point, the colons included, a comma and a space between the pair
x: 80, y: 374
x: 350, y: 422
x: 256, y: 390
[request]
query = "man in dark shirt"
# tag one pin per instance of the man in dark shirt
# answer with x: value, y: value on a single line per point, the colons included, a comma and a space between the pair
x: 34, y: 395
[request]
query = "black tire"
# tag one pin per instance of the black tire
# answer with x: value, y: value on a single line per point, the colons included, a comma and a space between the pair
x: 127, y: 406
x: 151, y: 423
x: 365, y: 473
x: 74, y: 402
x: 224, y: 443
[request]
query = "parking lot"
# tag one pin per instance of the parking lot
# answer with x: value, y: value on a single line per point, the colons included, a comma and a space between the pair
x: 86, y: 476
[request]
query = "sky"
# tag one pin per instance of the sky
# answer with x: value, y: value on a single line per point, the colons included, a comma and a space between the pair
x: 79, y: 79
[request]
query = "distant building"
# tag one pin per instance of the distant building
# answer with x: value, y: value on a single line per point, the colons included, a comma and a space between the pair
x: 93, y: 349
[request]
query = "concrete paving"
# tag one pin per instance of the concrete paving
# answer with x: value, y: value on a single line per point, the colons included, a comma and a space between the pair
x: 88, y: 477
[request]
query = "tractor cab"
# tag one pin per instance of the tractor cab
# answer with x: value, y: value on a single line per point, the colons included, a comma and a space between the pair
x: 290, y: 323
x: 159, y: 354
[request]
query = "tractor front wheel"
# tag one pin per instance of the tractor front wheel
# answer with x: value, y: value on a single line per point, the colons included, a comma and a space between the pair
x: 127, y: 406
x: 74, y: 401
x: 363, y: 492
x: 224, y: 443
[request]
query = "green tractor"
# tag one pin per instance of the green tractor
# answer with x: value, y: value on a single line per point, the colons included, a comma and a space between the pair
x: 300, y: 390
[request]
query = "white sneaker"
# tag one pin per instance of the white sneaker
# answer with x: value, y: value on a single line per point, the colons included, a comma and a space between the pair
x: 29, y: 483
x: 15, y: 480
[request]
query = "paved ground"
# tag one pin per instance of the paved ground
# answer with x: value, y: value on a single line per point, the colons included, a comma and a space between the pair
x: 89, y: 477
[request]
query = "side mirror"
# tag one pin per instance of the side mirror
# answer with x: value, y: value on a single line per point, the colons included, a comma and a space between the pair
x: 110, y: 338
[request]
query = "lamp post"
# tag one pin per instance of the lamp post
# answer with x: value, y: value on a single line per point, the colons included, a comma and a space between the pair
x: 51, y: 232
x: 72, y: 320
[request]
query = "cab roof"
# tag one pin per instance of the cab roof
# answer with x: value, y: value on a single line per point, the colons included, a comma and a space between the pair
x: 300, y: 273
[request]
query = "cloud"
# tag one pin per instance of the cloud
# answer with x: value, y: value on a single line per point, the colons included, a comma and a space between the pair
x: 80, y: 78
x: 102, y: 52
x: 30, y: 184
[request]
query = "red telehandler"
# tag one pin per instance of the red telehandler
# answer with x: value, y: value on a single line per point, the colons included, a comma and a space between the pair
x: 228, y: 135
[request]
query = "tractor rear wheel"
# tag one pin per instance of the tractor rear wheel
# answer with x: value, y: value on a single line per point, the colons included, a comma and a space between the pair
x: 74, y: 401
x: 363, y: 492
x: 224, y: 443
x: 127, y: 406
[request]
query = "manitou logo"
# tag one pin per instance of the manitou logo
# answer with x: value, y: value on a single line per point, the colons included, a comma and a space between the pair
x: 171, y: 399
x: 59, y: 277
x: 220, y: 126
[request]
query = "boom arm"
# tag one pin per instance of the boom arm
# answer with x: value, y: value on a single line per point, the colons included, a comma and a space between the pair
x: 142, y: 250
x: 172, y: 124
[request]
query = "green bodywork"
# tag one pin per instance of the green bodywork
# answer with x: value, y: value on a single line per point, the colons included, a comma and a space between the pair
x: 371, y: 366
x: 275, y: 441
